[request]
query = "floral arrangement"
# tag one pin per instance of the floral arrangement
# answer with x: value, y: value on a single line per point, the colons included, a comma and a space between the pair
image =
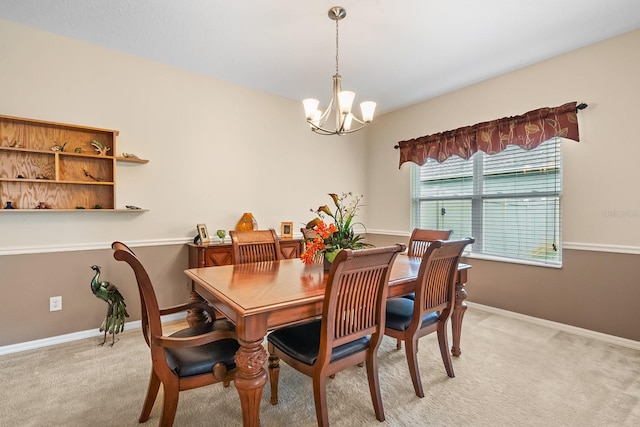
x: 331, y: 238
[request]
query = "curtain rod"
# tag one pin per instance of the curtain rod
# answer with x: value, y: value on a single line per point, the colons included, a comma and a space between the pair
x: 579, y: 107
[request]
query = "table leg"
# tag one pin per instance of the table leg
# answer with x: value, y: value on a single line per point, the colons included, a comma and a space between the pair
x: 250, y: 380
x: 456, y: 318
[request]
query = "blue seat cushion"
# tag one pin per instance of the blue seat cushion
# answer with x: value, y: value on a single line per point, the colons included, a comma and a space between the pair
x: 412, y: 295
x: 400, y: 312
x: 187, y: 362
x: 302, y: 342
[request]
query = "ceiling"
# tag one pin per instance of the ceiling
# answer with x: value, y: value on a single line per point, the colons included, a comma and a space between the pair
x: 394, y: 52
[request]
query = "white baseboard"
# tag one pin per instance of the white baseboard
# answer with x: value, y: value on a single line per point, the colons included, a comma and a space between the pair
x: 74, y: 336
x: 611, y: 339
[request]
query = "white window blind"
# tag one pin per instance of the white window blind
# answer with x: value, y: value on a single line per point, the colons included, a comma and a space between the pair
x: 509, y: 202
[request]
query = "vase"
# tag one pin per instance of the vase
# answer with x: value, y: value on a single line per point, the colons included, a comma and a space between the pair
x: 247, y: 222
x: 9, y: 206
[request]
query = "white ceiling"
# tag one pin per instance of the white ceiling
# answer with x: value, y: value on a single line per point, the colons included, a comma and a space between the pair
x: 394, y: 52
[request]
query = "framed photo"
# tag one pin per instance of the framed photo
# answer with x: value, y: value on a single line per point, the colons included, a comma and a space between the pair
x: 203, y: 233
x: 286, y: 230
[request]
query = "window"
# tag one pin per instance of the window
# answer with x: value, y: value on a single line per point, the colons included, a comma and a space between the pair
x: 509, y: 202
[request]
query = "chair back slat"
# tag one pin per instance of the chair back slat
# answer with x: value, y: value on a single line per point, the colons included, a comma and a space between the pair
x: 255, y: 246
x: 422, y: 238
x: 354, y: 297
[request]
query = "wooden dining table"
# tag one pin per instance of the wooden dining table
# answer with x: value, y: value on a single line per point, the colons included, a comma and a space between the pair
x: 260, y: 297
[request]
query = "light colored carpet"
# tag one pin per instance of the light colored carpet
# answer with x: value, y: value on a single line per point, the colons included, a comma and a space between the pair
x: 511, y: 373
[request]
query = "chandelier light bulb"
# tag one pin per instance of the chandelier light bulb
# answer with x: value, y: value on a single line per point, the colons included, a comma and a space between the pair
x: 310, y: 107
x: 367, y: 108
x: 345, y: 101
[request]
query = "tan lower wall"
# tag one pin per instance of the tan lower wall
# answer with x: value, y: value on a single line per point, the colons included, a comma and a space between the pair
x: 593, y: 290
x: 27, y: 282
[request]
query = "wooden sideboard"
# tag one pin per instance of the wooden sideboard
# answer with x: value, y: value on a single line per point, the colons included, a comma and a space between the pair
x: 213, y: 254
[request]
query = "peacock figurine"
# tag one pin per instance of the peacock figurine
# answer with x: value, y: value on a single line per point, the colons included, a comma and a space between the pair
x: 116, y: 310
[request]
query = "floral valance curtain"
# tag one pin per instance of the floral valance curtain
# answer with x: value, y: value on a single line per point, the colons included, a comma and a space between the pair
x: 526, y: 131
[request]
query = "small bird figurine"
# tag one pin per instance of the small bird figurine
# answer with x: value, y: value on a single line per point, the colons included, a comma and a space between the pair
x: 117, y: 309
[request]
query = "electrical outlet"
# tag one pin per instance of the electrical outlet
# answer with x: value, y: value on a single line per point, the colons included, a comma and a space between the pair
x: 55, y: 303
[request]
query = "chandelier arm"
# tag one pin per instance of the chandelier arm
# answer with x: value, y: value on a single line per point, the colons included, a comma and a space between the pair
x: 325, y: 114
x: 353, y: 117
x: 322, y: 131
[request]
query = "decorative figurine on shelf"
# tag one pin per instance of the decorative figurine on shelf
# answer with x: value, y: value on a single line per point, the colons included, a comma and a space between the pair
x: 100, y: 148
x: 42, y: 176
x: 117, y: 309
x: 15, y: 144
x: 58, y: 147
x: 43, y: 205
x: 247, y: 222
x: 77, y: 150
x: 221, y: 234
x: 86, y: 173
x: 129, y: 156
x: 9, y: 206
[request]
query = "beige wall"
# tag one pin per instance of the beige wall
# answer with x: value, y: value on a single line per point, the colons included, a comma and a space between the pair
x: 597, y: 288
x: 597, y: 179
x: 217, y: 150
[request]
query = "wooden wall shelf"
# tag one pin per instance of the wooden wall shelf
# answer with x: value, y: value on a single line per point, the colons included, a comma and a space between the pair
x: 32, y: 172
x: 9, y: 211
x: 131, y: 160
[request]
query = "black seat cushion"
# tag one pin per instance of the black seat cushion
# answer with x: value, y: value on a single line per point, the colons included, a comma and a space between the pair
x: 302, y: 342
x: 187, y: 362
x: 400, y: 311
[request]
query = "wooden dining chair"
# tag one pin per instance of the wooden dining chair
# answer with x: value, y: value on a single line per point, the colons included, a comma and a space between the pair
x: 190, y: 358
x: 255, y: 246
x: 419, y: 242
x: 409, y: 320
x: 349, y: 332
x: 421, y: 238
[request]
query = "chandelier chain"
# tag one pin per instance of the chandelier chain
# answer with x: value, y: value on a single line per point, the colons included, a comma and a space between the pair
x: 337, y: 46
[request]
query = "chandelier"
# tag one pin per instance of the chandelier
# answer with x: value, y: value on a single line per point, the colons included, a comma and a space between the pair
x: 343, y: 99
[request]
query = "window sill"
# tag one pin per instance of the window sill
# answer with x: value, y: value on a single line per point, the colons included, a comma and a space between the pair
x: 511, y: 260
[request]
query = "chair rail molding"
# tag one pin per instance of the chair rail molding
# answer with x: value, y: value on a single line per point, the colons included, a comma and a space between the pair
x: 575, y: 246
x: 25, y: 250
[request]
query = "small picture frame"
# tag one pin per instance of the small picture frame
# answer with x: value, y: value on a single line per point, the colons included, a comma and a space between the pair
x: 203, y: 233
x: 286, y: 230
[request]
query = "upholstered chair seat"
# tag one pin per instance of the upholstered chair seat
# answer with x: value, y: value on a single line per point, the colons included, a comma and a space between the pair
x: 190, y: 361
x: 302, y: 342
x: 400, y: 314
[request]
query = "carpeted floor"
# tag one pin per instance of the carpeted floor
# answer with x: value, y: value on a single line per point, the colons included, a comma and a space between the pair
x: 511, y: 373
